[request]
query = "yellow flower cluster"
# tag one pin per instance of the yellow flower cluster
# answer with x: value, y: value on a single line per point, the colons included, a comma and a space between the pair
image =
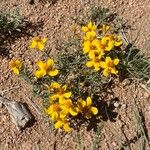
x: 62, y: 107
x: 45, y: 68
x: 61, y: 104
x: 97, y: 48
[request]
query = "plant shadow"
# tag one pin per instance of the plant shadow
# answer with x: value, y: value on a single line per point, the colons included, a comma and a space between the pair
x: 106, y: 112
x: 25, y: 30
x: 51, y: 2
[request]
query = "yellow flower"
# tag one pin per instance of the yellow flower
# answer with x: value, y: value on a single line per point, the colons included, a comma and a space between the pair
x: 54, y: 85
x: 53, y: 110
x: 89, y: 28
x: 86, y: 47
x: 117, y: 40
x: 96, y: 54
x: 85, y: 107
x: 91, y: 46
x: 111, y: 41
x: 109, y: 66
x: 94, y: 62
x: 60, y: 92
x: 15, y: 65
x: 104, y: 28
x: 89, y: 37
x: 90, y: 31
x: 62, y: 123
x: 68, y: 108
x: 38, y: 43
x: 107, y: 43
x: 46, y: 68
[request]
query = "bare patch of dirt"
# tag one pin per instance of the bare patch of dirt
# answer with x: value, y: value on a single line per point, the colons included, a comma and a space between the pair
x: 53, y: 20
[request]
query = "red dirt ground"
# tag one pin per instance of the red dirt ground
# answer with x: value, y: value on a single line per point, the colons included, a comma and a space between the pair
x: 57, y: 24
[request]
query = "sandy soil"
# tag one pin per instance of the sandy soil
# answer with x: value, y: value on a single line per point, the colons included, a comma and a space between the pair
x: 53, y: 20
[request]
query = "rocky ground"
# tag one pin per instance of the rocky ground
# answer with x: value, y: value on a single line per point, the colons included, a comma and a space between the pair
x: 52, y: 18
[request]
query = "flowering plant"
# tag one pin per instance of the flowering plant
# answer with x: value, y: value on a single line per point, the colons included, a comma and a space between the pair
x: 85, y: 64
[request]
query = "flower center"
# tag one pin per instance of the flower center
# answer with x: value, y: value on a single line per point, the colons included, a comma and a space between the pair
x: 68, y: 104
x: 14, y: 65
x: 90, y: 30
x: 56, y: 107
x: 86, y: 110
x: 111, y: 64
x: 93, y: 47
x: 47, y: 68
x: 38, y: 40
x: 96, y: 60
x: 60, y: 91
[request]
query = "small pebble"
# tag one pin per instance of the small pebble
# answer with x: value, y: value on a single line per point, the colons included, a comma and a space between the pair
x: 1, y: 105
x: 31, y: 2
x: 114, y: 144
x: 124, y: 106
x: 116, y: 104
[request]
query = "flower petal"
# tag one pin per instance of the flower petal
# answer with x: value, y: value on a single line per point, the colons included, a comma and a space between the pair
x: 84, y: 29
x: 53, y: 72
x: 40, y: 46
x: 109, y: 46
x: 116, y: 61
x: 44, y: 40
x: 114, y: 71
x: 40, y: 73
x: 89, y: 64
x: 92, y: 54
x: 88, y: 37
x: 64, y: 87
x: 61, y: 99
x: 94, y: 110
x: 55, y: 85
x: 41, y: 64
x: 108, y: 60
x: 16, y: 71
x: 118, y: 43
x: 86, y: 47
x: 96, y: 67
x: 33, y: 44
x: 18, y: 64
x: 91, y: 34
x: 54, y: 97
x: 81, y: 104
x: 50, y: 62
x: 103, y: 64
x: 88, y: 101
x: 67, y: 95
x: 49, y: 110
x: 67, y: 127
x: 73, y: 111
x: 105, y: 72
x: 54, y: 116
x: 94, y: 27
x: 90, y: 25
x: 58, y: 124
x: 63, y: 113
